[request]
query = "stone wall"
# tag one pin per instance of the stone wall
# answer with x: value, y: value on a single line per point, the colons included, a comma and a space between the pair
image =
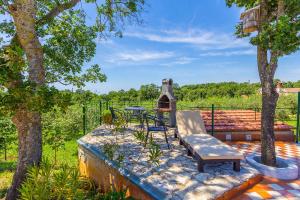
x: 106, y: 176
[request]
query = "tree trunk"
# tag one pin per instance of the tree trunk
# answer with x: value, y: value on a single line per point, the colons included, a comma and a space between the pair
x: 30, y: 147
x: 267, y: 70
x: 269, y: 101
x: 28, y: 122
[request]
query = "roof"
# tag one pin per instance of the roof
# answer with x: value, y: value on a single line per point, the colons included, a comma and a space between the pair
x: 290, y: 90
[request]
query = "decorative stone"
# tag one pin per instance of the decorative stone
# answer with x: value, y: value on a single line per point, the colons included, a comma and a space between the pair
x: 202, y: 177
x: 176, y: 175
x: 286, y: 170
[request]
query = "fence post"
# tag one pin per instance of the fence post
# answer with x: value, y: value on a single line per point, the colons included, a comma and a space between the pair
x: 106, y: 105
x: 100, y: 112
x: 84, y: 118
x: 5, y: 150
x: 298, y: 113
x: 212, y: 119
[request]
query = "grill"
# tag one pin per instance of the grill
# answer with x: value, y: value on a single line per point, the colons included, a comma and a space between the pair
x: 166, y: 102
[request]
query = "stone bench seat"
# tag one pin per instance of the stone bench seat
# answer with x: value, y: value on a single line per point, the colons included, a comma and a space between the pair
x: 205, y: 148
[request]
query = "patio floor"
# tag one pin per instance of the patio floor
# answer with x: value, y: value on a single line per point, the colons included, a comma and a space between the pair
x: 176, y: 176
x: 271, y: 188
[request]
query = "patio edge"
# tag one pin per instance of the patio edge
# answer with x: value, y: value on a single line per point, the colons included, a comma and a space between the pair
x: 145, y: 187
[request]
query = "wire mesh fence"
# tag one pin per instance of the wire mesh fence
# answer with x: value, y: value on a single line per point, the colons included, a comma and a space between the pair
x: 93, y: 112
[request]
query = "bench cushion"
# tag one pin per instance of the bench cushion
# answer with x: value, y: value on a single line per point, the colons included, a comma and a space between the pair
x: 189, y: 122
x: 192, y: 131
x: 210, y: 148
x: 157, y: 128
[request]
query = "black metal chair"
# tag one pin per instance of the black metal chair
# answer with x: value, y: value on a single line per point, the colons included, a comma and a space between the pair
x: 135, y: 114
x: 159, y: 126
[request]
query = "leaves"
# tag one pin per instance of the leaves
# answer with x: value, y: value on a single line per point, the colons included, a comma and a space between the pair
x: 69, y: 43
x: 278, y: 33
x: 45, y: 183
x: 154, y: 153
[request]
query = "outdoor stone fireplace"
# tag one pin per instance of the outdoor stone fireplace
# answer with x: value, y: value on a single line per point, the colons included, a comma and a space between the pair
x: 166, y: 102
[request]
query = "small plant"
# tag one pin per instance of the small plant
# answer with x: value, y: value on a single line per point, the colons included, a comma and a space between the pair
x: 120, y: 158
x: 110, y: 150
x: 140, y: 136
x: 119, y: 123
x: 154, y: 153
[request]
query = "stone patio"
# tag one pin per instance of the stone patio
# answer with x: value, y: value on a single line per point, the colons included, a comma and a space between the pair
x: 176, y: 176
x: 271, y: 188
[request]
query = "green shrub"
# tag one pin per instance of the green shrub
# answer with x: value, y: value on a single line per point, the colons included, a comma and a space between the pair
x: 107, y: 118
x: 45, y: 183
x: 282, y: 115
x: 48, y: 183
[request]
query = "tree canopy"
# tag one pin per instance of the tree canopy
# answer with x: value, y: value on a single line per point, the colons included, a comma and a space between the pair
x: 68, y: 41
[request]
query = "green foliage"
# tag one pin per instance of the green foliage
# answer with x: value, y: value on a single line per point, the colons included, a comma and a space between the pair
x: 148, y: 92
x: 44, y: 182
x: 140, y: 136
x: 154, y: 153
x: 111, y: 150
x: 186, y: 92
x: 64, y: 182
x: 115, y: 195
x: 120, y: 122
x: 60, y: 126
x: 7, y: 136
x: 279, y: 33
x: 68, y: 42
x: 281, y: 115
x: 106, y: 117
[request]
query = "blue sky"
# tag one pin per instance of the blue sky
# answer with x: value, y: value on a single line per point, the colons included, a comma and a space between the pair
x: 190, y: 41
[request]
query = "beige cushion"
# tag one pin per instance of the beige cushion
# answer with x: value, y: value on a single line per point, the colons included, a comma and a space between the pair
x: 189, y: 122
x: 191, y: 130
x: 210, y: 148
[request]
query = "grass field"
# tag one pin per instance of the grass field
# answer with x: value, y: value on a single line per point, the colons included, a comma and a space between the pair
x: 66, y: 155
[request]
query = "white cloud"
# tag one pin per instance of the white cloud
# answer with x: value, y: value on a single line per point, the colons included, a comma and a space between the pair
x: 230, y: 53
x: 202, y: 39
x: 180, y: 61
x: 140, y: 56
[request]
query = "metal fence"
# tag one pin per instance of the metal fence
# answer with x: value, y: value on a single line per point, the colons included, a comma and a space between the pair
x: 93, y: 112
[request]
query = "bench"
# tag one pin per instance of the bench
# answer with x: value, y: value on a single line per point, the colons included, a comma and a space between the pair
x: 202, y: 146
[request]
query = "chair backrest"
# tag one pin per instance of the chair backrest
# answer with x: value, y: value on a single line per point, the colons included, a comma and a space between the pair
x: 153, y: 118
x: 190, y: 122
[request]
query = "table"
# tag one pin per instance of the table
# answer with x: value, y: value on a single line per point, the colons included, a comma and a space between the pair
x: 136, y: 112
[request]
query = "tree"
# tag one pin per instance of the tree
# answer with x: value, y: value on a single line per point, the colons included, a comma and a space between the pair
x: 149, y: 92
x: 48, y: 42
x: 277, y: 35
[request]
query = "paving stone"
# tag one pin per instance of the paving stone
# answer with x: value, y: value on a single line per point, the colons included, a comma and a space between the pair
x: 202, y: 177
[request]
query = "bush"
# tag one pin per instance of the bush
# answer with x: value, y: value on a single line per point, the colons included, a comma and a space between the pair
x: 107, y: 118
x: 45, y: 183
x: 48, y: 183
